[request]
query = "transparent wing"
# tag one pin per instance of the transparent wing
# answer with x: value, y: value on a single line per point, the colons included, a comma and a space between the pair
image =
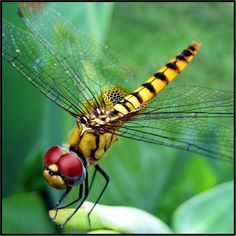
x: 40, y: 67
x: 102, y: 69
x: 189, y: 118
x: 192, y: 99
x: 64, y: 63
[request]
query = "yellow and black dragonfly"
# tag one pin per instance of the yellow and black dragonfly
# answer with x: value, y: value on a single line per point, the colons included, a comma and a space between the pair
x: 84, y: 77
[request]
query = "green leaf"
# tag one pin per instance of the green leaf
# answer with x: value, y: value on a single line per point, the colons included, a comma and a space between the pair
x: 93, y: 17
x: 25, y: 214
x: 209, y: 212
x: 119, y: 219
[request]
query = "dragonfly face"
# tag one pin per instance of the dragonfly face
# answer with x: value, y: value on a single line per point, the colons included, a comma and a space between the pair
x: 63, y: 169
x: 86, y: 79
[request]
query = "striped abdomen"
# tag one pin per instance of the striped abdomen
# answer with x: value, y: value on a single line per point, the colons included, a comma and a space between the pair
x: 157, y: 82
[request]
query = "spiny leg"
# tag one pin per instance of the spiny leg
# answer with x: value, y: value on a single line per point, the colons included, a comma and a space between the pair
x: 60, y: 201
x: 86, y: 185
x: 107, y: 179
x: 81, y: 191
x: 93, y: 177
x: 79, y: 197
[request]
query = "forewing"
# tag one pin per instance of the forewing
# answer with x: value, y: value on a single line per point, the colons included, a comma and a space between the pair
x: 39, y: 65
x: 67, y: 65
x: 97, y: 65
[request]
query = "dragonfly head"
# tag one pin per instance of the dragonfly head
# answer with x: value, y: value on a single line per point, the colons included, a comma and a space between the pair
x: 63, y: 169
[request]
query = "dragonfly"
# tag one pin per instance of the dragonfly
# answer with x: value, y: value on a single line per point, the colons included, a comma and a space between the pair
x: 86, y: 79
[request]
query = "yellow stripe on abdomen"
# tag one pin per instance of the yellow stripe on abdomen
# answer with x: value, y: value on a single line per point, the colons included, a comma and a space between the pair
x: 157, y: 82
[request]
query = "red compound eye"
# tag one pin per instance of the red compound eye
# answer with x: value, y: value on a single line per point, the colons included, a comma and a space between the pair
x: 52, y: 155
x: 70, y: 165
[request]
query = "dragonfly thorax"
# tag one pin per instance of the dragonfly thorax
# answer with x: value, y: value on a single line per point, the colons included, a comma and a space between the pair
x: 96, y: 120
x: 93, y: 135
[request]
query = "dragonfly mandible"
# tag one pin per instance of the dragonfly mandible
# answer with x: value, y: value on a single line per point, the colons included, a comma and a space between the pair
x: 84, y: 77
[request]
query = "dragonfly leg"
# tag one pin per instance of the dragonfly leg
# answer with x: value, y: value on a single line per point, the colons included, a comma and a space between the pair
x: 81, y: 191
x: 86, y: 185
x: 93, y: 177
x: 76, y: 200
x: 60, y: 201
x: 107, y: 179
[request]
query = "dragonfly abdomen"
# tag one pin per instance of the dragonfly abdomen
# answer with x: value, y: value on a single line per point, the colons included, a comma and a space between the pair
x: 157, y: 82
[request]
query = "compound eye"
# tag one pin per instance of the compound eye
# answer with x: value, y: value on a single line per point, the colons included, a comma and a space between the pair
x: 52, y: 155
x: 71, y: 168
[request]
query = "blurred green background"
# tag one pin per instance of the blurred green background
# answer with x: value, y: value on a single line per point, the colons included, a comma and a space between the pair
x: 153, y: 178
